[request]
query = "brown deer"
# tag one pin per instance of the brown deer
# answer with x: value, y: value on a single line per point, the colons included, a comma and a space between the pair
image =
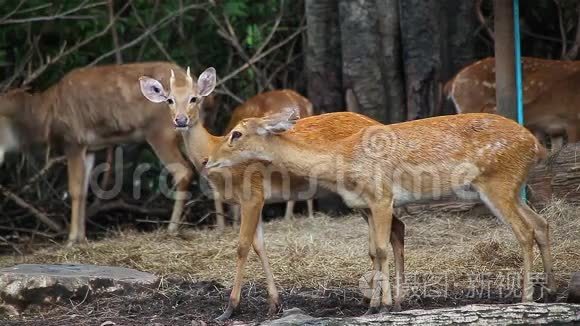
x: 557, y: 111
x: 265, y: 104
x: 473, y: 90
x: 471, y: 155
x: 265, y: 183
x: 87, y: 110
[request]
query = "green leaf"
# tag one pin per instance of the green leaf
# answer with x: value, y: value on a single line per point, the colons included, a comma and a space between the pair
x: 236, y: 8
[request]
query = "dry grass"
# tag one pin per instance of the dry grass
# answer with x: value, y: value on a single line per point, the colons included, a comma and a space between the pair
x: 328, y: 252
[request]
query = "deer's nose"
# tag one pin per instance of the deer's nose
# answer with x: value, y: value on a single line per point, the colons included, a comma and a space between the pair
x: 181, y: 121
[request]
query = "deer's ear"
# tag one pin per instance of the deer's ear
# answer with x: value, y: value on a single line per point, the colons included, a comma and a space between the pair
x: 206, y: 82
x: 279, y: 122
x: 152, y: 89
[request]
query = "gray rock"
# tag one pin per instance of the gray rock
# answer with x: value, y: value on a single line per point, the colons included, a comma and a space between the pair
x: 26, y: 284
x: 293, y: 316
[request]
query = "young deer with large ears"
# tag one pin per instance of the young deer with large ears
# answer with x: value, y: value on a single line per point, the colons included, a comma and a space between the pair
x: 484, y: 155
x: 243, y: 185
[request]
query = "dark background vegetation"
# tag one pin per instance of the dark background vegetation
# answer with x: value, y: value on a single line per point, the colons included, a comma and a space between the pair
x: 391, y: 56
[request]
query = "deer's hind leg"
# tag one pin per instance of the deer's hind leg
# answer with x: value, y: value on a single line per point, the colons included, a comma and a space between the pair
x: 542, y: 237
x: 289, y: 210
x: 502, y: 198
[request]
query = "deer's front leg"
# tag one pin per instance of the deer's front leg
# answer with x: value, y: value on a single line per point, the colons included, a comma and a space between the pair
x: 381, y: 219
x: 166, y: 146
x: 251, y: 211
x: 79, y: 166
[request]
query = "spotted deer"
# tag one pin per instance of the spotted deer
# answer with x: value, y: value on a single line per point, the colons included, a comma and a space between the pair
x: 473, y: 90
x: 557, y: 111
x: 483, y: 156
x: 90, y: 109
x: 230, y: 186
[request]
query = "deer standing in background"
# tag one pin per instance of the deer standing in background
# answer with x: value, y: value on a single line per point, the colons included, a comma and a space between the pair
x: 473, y: 90
x: 481, y: 155
x: 557, y: 111
x: 265, y: 104
x: 265, y: 183
x: 90, y: 109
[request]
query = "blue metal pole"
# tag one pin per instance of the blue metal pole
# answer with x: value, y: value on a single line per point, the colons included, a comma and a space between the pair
x: 518, y: 64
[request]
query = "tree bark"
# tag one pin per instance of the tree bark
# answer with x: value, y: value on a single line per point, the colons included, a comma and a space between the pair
x: 558, y: 178
x: 421, y: 39
x: 504, y: 59
x: 323, y: 56
x: 390, y: 38
x: 362, y: 57
x: 460, y: 45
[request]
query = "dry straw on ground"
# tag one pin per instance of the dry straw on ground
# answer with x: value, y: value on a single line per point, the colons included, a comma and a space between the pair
x: 329, y: 252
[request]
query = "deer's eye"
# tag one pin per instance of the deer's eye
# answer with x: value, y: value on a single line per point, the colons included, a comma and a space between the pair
x: 170, y: 101
x: 193, y: 100
x: 235, y: 135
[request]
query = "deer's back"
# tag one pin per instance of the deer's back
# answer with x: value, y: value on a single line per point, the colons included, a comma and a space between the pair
x: 473, y: 88
x: 91, y: 104
x: 268, y: 103
x: 482, y: 143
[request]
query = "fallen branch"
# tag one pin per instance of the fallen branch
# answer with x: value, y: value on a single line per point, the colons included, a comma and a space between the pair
x: 49, y: 164
x: 31, y: 231
x: 477, y: 314
x: 120, y: 204
x: 22, y: 203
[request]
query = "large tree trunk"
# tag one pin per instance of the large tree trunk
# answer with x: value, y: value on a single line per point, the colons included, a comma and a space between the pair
x: 362, y: 57
x: 460, y: 45
x: 390, y: 37
x: 323, y: 56
x: 421, y: 39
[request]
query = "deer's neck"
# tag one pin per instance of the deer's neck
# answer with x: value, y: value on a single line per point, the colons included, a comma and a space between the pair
x: 303, y: 159
x: 199, y: 143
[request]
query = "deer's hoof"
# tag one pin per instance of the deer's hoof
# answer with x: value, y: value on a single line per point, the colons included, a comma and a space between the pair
x: 227, y: 314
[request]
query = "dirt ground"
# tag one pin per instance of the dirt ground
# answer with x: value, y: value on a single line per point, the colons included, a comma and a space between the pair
x: 317, y: 263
